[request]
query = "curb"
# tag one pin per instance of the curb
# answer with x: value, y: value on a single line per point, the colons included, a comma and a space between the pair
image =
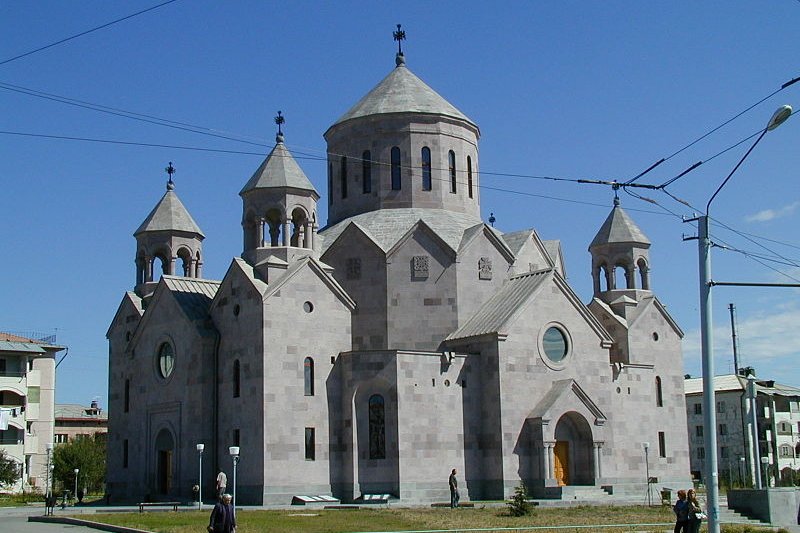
x: 86, y: 523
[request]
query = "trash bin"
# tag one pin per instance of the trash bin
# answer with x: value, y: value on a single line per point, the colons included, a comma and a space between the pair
x: 666, y: 496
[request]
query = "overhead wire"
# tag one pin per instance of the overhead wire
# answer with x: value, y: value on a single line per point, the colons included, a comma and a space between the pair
x: 81, y: 34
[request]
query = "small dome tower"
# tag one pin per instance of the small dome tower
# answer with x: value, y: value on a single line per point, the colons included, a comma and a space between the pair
x: 620, y: 244
x: 279, y: 216
x: 168, y: 233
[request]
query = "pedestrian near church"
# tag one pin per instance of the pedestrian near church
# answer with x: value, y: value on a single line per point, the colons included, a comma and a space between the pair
x: 222, y: 482
x: 223, y: 519
x: 696, y: 514
x: 454, y: 496
x: 681, y: 509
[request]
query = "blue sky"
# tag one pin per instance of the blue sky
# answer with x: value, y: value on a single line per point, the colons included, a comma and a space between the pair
x: 593, y: 90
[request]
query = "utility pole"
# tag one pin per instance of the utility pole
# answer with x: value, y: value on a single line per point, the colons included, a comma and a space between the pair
x: 735, y: 339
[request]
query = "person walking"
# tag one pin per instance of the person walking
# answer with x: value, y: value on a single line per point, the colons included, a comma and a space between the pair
x: 454, y: 496
x: 222, y: 481
x: 222, y: 519
x: 695, y: 512
x: 681, y: 509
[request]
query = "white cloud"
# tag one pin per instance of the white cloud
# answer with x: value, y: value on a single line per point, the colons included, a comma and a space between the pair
x: 771, y: 214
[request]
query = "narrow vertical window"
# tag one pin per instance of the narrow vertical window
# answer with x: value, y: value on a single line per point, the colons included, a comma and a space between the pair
x: 127, y: 399
x: 395, y: 164
x: 236, y: 437
x: 469, y: 176
x: 343, y: 177
x: 426, y: 169
x: 237, y: 379
x: 310, y: 444
x: 451, y: 164
x: 330, y: 183
x: 377, y: 427
x: 366, y: 167
x: 308, y: 376
x: 659, y: 393
x: 125, y: 453
x: 662, y: 444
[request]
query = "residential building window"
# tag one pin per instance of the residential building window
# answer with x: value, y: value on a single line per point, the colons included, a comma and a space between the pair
x: 786, y: 451
x: 723, y: 429
x: 723, y: 452
x: 344, y: 177
x: 236, y: 439
x: 395, y: 165
x: 377, y: 427
x: 366, y: 170
x: 237, y: 379
x: 659, y: 393
x: 126, y: 403
x: 451, y: 165
x: 60, y: 438
x: 308, y: 376
x: 125, y: 453
x: 720, y: 407
x: 662, y: 444
x: 469, y: 176
x: 698, y: 430
x: 426, y: 169
x: 310, y: 451
x: 698, y: 409
x: 701, y: 453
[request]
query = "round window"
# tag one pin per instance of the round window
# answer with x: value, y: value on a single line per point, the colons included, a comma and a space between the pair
x: 555, y: 344
x: 308, y: 307
x: 166, y: 360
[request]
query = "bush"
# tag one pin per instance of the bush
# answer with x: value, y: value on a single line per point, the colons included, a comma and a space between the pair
x: 518, y: 505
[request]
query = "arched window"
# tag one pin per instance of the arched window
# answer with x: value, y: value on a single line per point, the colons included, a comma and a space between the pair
x: 344, y: 177
x: 166, y: 360
x: 308, y: 376
x: 469, y: 176
x: 451, y: 164
x: 377, y: 427
x: 659, y: 393
x: 426, y: 169
x: 127, y: 398
x: 396, y: 184
x: 644, y: 274
x: 237, y: 379
x: 330, y: 184
x: 366, y: 168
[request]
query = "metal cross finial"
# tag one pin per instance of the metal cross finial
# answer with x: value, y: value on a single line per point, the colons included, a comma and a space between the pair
x: 279, y: 120
x: 492, y: 219
x: 399, y: 36
x: 170, y: 170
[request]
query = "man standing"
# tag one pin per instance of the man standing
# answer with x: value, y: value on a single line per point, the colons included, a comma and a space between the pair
x: 454, y: 497
x: 222, y: 481
x: 223, y: 519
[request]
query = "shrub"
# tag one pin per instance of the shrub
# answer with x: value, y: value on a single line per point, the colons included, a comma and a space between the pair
x: 518, y: 505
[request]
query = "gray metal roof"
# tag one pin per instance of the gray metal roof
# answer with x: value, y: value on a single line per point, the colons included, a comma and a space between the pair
x: 25, y: 347
x: 169, y: 215
x: 619, y: 227
x: 516, y: 239
x: 387, y: 226
x: 193, y: 295
x: 402, y: 92
x: 500, y: 308
x: 74, y: 410
x: 279, y: 169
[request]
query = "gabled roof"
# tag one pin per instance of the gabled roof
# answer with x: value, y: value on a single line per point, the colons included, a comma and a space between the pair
x: 402, y: 92
x: 517, y: 239
x: 619, y: 228
x: 193, y: 295
x: 641, y: 310
x: 130, y: 299
x: 319, y: 269
x: 560, y: 390
x: 279, y: 170
x: 732, y: 382
x: 169, y: 214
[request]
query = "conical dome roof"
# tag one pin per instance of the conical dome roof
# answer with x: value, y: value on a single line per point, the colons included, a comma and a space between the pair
x: 402, y: 92
x: 619, y: 228
x: 169, y: 215
x: 279, y: 169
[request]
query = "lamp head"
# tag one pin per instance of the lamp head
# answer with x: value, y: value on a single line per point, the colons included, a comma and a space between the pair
x: 201, y: 447
x: 234, y: 451
x: 779, y: 117
x: 77, y: 470
x: 49, y: 446
x: 765, y: 460
x: 645, y: 445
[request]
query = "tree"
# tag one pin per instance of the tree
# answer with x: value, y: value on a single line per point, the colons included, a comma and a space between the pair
x: 519, y: 505
x: 86, y: 453
x: 10, y: 470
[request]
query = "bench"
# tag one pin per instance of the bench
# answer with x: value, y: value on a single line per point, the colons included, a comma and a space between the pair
x: 174, y: 505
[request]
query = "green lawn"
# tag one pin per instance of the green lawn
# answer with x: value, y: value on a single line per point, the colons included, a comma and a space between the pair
x: 308, y: 520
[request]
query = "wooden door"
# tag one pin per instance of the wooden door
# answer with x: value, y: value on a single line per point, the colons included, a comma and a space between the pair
x: 164, y: 471
x: 561, y: 466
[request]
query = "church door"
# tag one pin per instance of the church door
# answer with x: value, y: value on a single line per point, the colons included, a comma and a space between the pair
x: 164, y: 471
x: 561, y: 465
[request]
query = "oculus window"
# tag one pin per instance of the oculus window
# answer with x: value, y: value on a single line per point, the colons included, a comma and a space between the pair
x: 555, y: 344
x: 166, y: 360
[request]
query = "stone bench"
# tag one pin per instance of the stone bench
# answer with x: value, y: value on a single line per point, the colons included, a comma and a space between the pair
x: 174, y: 505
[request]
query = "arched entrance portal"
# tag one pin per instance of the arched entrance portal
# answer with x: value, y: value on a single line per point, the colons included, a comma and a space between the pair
x: 572, y: 454
x: 165, y: 448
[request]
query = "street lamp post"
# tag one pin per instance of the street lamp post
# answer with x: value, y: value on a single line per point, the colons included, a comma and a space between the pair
x: 706, y: 326
x: 234, y: 452
x: 646, y: 446
x: 200, y: 448
x: 47, y: 467
x: 75, y: 494
x: 765, y: 468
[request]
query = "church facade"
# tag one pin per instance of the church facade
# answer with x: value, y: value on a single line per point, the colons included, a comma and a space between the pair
x: 403, y: 339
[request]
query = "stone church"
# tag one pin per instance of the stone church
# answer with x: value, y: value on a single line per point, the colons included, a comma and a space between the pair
x: 403, y: 339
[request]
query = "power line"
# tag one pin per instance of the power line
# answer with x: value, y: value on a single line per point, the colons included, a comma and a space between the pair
x: 9, y: 60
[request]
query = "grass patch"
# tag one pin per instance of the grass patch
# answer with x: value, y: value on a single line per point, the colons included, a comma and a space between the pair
x: 308, y: 520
